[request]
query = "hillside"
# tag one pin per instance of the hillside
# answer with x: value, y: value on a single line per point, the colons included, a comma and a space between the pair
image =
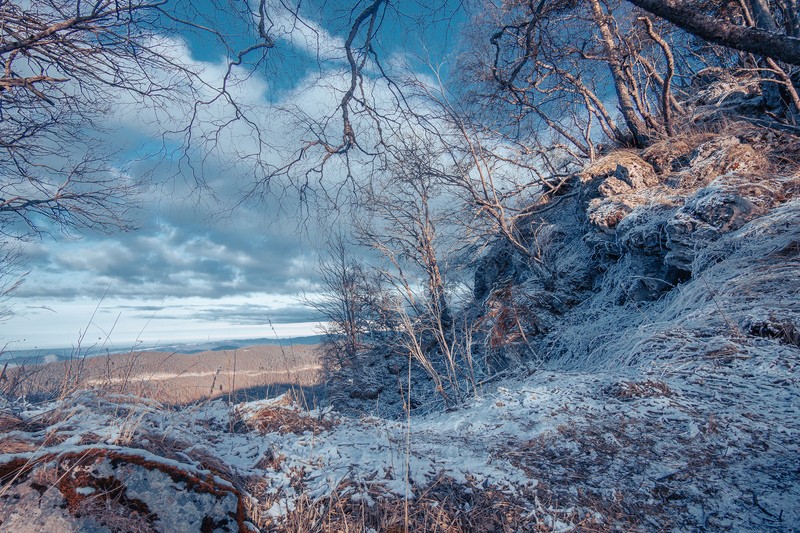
x: 648, y: 380
x: 172, y: 378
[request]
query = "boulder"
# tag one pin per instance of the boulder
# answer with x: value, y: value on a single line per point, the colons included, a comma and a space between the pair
x: 622, y: 172
x: 662, y: 155
x: 725, y: 205
x: 101, y: 490
x: 722, y: 155
x: 605, y: 214
x: 612, y: 187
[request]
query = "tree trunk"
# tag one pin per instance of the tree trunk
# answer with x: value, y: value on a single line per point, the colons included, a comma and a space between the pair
x: 627, y: 106
x: 752, y: 40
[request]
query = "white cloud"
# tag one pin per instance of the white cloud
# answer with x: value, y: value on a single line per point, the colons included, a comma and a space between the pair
x: 186, y: 249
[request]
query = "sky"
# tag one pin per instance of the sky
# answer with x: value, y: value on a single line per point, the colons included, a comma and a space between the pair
x: 202, y: 264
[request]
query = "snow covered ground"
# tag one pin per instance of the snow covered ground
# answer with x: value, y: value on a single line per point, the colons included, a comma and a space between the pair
x: 713, y: 445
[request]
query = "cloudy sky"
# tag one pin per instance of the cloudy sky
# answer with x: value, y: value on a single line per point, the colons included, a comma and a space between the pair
x: 203, y: 264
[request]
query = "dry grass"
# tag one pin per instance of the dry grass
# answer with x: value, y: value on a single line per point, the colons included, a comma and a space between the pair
x: 8, y: 422
x: 442, y: 506
x: 16, y: 445
x: 600, y: 469
x: 664, y: 153
x: 283, y: 416
x: 629, y: 390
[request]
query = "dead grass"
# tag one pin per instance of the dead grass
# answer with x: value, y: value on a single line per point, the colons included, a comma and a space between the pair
x: 663, y: 154
x: 169, y: 378
x: 764, y: 153
x: 16, y: 445
x: 566, y: 476
x: 9, y: 422
x: 271, y: 461
x: 629, y: 390
x: 282, y: 417
x: 443, y: 506
x: 600, y: 469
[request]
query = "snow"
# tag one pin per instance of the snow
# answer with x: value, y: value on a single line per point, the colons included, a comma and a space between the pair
x: 678, y: 413
x: 728, y: 409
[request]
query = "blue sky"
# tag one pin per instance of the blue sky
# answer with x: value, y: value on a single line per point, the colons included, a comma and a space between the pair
x: 202, y: 265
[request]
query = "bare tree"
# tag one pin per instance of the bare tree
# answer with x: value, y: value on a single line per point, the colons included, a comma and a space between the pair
x: 550, y: 67
x: 404, y: 222
x: 67, y: 65
x: 11, y: 277
x: 350, y: 303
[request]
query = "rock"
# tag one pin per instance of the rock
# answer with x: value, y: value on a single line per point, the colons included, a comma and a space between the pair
x: 103, y: 490
x: 622, y: 172
x: 663, y: 154
x: 611, y: 185
x: 642, y: 232
x: 606, y: 214
x: 714, y: 158
x: 727, y: 204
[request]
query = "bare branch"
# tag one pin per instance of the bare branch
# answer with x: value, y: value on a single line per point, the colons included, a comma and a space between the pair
x: 746, y: 39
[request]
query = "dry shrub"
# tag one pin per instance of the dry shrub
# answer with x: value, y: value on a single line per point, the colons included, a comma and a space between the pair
x: 509, y: 322
x: 90, y: 438
x: 283, y: 421
x: 283, y: 415
x: 442, y: 506
x: 774, y: 327
x: 605, y: 470
x: 781, y: 148
x: 13, y: 471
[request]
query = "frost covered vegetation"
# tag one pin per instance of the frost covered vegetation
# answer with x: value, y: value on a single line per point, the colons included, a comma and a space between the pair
x: 649, y: 381
x: 569, y: 302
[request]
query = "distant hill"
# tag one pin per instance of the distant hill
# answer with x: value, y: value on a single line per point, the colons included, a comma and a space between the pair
x: 51, y: 355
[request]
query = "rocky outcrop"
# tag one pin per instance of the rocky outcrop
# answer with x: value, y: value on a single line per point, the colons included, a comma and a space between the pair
x: 726, y: 204
x: 716, y: 157
x: 611, y: 186
x: 631, y: 228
